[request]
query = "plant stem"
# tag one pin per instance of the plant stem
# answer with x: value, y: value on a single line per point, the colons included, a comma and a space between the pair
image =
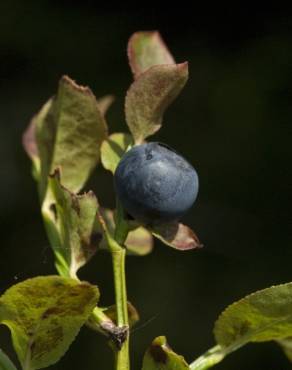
x: 118, y: 252
x: 210, y: 358
x: 118, y: 259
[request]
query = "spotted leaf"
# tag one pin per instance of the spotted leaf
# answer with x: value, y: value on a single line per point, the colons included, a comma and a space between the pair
x: 44, y: 315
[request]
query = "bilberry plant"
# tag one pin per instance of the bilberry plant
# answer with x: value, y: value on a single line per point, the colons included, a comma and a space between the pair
x: 155, y: 186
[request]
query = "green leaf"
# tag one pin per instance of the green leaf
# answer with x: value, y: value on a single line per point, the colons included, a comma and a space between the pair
x: 104, y: 103
x: 150, y: 95
x: 132, y: 314
x: 5, y: 362
x: 44, y: 315
x: 76, y: 218
x: 146, y: 49
x: 69, y: 131
x: 262, y: 316
x: 113, y: 148
x: 49, y: 213
x: 286, y: 345
x: 176, y: 235
x: 161, y: 357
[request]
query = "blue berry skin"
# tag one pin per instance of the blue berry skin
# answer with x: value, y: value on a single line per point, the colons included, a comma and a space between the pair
x: 155, y: 184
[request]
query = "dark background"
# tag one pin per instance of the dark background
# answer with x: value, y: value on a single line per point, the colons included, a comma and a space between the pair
x: 232, y: 122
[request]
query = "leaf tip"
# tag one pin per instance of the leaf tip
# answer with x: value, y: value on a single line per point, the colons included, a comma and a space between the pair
x: 147, y: 48
x: 68, y: 82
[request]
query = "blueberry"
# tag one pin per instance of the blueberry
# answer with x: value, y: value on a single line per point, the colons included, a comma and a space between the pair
x: 155, y: 184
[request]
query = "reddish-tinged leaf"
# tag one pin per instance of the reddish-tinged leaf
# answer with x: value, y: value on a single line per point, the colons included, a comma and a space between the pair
x: 146, y: 49
x: 150, y: 95
x: 29, y: 141
x: 176, y: 235
x: 69, y: 131
x: 30, y: 146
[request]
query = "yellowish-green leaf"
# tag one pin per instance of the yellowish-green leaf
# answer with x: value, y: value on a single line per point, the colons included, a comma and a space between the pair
x: 5, y: 362
x: 44, y: 315
x: 113, y: 148
x: 75, y: 218
x: 146, y: 49
x: 177, y: 235
x: 69, y: 131
x: 160, y: 356
x: 150, y: 95
x: 262, y: 316
x: 286, y: 344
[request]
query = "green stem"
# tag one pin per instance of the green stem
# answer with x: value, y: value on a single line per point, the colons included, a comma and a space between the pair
x: 210, y: 358
x: 118, y: 252
x: 122, y: 354
x: 118, y: 259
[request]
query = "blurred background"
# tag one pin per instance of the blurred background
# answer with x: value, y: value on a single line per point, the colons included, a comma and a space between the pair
x: 231, y: 122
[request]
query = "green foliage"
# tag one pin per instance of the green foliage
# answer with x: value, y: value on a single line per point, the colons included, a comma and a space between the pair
x: 262, y: 316
x: 69, y: 132
x: 76, y: 219
x: 5, y: 362
x: 113, y: 148
x: 66, y: 135
x: 65, y: 142
x: 44, y: 315
x: 160, y: 356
